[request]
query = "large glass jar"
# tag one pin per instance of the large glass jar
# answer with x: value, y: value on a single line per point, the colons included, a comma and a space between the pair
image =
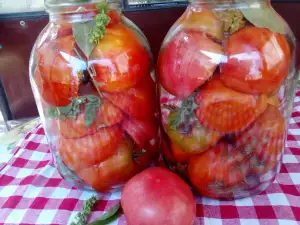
x: 226, y: 79
x: 91, y: 72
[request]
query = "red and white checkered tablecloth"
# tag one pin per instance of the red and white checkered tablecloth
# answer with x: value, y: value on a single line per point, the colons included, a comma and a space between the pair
x: 32, y: 191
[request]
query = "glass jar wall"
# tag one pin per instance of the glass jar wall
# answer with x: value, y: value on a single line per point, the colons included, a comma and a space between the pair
x: 91, y: 73
x: 226, y: 80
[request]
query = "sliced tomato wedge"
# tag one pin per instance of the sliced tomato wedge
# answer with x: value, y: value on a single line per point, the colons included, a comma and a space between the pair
x: 90, y: 150
x: 225, y: 110
x: 138, y: 102
x: 57, y: 71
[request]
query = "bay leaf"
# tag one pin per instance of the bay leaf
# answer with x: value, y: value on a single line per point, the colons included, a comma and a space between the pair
x: 109, y: 216
x: 264, y: 16
x: 81, y: 33
x: 91, y: 109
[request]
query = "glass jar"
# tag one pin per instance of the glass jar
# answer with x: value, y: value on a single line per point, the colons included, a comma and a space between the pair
x: 226, y: 75
x: 91, y: 73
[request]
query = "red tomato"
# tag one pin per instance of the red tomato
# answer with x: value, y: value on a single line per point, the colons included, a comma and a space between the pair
x: 225, y: 110
x: 179, y: 155
x: 157, y: 196
x: 141, y: 131
x: 119, y: 59
x: 57, y: 71
x: 107, y: 115
x: 90, y: 150
x: 115, y: 17
x: 265, y: 138
x: 258, y: 61
x: 187, y: 62
x: 112, y: 172
x: 205, y: 21
x: 139, y: 101
x: 215, y: 172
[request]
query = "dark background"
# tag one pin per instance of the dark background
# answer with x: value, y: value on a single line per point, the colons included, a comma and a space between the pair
x: 18, y: 33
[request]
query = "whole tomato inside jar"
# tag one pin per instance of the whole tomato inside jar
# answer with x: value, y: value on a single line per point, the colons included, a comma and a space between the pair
x: 226, y: 74
x: 90, y: 71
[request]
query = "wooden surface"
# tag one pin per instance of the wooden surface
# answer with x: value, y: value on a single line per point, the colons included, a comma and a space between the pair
x: 17, y: 37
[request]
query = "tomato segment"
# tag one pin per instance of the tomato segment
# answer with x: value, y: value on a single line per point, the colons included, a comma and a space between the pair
x: 57, y: 71
x: 112, y: 172
x: 258, y: 61
x: 119, y: 59
x: 89, y: 150
x: 205, y: 21
x: 265, y: 138
x: 225, y: 110
x: 141, y: 131
x: 139, y: 101
x: 215, y: 172
x: 187, y: 62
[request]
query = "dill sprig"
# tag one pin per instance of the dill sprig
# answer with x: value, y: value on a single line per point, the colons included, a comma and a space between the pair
x: 101, y: 21
x: 81, y: 217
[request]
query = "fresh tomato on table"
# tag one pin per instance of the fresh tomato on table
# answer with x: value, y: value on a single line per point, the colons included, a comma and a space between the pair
x: 157, y: 196
x: 258, y: 61
x: 120, y: 61
x: 187, y: 62
x: 224, y: 110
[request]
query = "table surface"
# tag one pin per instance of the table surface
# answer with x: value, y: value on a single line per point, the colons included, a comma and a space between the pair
x: 32, y: 191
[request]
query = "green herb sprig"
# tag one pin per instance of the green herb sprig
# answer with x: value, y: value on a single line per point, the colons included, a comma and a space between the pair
x: 101, y: 21
x: 92, y: 104
x: 81, y: 217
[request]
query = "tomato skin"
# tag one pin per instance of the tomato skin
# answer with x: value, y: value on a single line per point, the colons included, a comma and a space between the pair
x: 119, y: 59
x: 205, y: 21
x: 90, y: 150
x: 107, y: 115
x: 179, y: 155
x: 265, y: 138
x: 112, y: 172
x: 139, y: 101
x: 225, y: 110
x: 186, y: 62
x: 157, y: 196
x: 57, y: 71
x: 258, y: 61
x: 215, y: 172
x: 141, y: 131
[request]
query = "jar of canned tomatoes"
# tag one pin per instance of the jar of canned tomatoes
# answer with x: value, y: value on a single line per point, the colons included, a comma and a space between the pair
x: 91, y: 73
x: 226, y: 81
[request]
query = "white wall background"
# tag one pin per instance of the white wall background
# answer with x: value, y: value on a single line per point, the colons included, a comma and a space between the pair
x: 16, y: 6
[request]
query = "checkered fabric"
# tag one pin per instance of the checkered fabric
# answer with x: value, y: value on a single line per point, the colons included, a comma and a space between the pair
x: 32, y: 191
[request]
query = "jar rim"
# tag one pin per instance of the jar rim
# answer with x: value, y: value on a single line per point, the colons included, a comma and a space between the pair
x: 70, y: 6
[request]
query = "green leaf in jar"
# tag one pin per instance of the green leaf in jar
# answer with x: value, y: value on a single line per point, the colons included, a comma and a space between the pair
x: 91, y: 109
x: 92, y: 104
x: 81, y: 33
x: 264, y: 16
x: 108, y: 216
